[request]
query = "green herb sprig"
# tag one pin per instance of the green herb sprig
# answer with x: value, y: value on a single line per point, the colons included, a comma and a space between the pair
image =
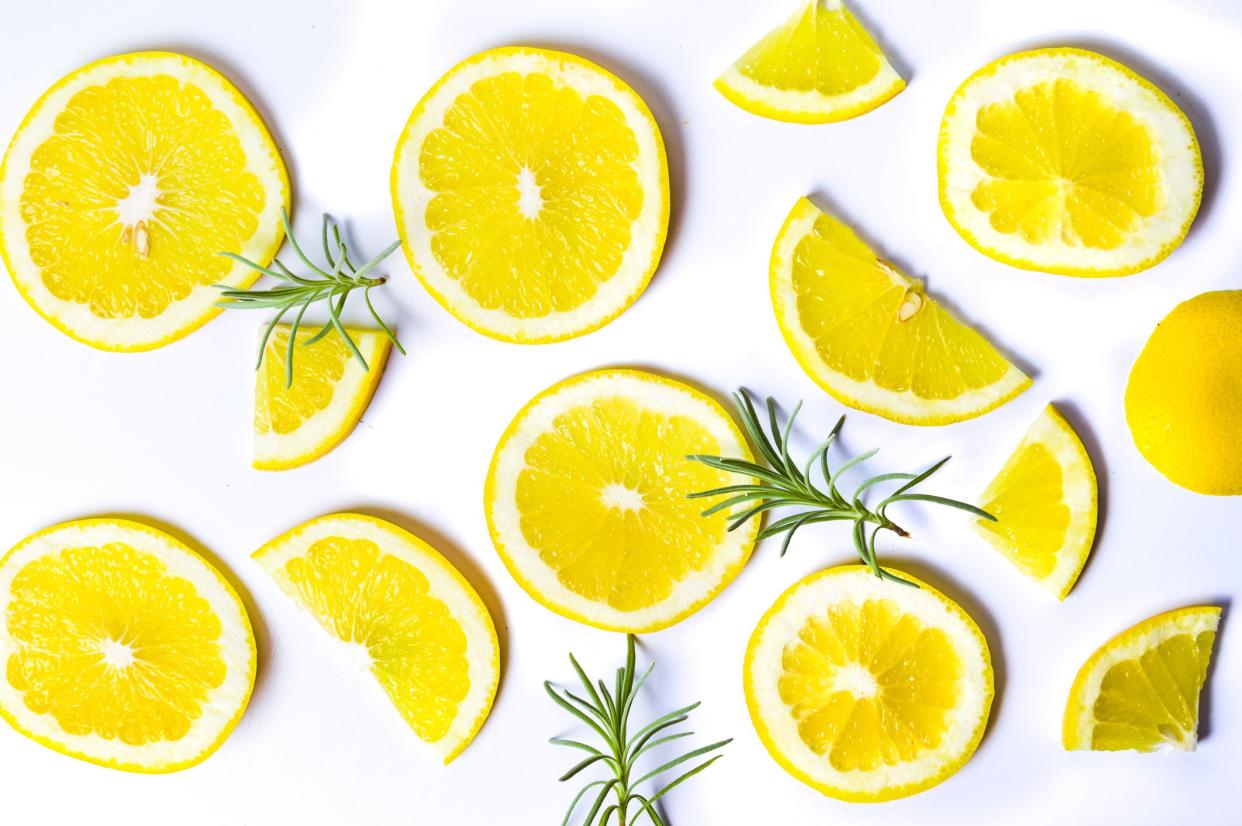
x: 331, y: 286
x: 607, y: 713
x: 784, y: 484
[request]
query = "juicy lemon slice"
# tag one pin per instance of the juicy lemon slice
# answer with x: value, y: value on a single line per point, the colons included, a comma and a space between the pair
x: 121, y: 646
x: 122, y: 187
x: 586, y: 500
x: 531, y: 193
x: 298, y: 424
x: 871, y: 337
x: 1140, y: 690
x: 867, y: 690
x: 425, y: 633
x: 1064, y: 161
x: 820, y: 66
x: 1044, y: 501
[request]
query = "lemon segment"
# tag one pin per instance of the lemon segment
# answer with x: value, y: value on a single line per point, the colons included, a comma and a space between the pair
x: 872, y: 337
x: 428, y: 638
x: 121, y: 188
x: 868, y: 690
x: 296, y: 425
x: 1140, y: 690
x: 1044, y: 500
x: 531, y: 194
x: 1065, y: 161
x: 820, y: 66
x: 121, y: 646
x: 586, y: 500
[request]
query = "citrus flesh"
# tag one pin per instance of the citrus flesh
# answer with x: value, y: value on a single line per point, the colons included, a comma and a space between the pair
x: 121, y: 188
x: 868, y: 690
x: 531, y: 194
x: 1140, y: 690
x: 586, y: 500
x: 121, y: 646
x: 871, y: 336
x: 1065, y: 161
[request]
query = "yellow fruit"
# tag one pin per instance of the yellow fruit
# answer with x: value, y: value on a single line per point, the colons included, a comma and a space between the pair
x: 1064, y: 161
x: 1044, y: 500
x: 1184, y: 398
x: 868, y: 690
x: 298, y: 424
x: 1140, y: 690
x: 121, y: 646
x: 122, y: 187
x: 820, y: 66
x: 409, y: 614
x: 871, y: 337
x: 531, y: 194
x: 586, y: 500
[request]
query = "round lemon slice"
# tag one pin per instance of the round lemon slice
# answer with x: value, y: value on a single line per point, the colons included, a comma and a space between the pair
x: 428, y: 638
x: 122, y: 187
x: 531, y: 194
x: 872, y: 337
x: 1044, y: 500
x: 1140, y: 690
x: 121, y: 646
x: 1065, y: 161
x: 868, y: 690
x: 586, y: 500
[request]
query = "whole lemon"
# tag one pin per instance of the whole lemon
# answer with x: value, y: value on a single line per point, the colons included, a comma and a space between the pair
x: 1184, y: 399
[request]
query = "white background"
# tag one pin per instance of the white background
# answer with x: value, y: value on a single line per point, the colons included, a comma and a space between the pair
x: 165, y: 435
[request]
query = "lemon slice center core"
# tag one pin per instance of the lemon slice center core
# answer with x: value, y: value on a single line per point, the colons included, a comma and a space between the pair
x: 622, y: 498
x: 117, y: 654
x: 530, y: 194
x: 856, y: 679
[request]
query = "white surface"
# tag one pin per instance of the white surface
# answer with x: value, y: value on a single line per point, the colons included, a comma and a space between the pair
x: 166, y: 434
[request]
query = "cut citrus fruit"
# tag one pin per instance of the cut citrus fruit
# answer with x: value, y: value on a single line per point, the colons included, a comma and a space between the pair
x: 868, y: 690
x: 531, y: 194
x: 424, y: 632
x: 1065, y: 161
x: 586, y: 500
x: 297, y: 424
x: 121, y: 646
x: 820, y: 66
x: 1044, y: 500
x: 1184, y: 397
x: 1140, y: 690
x: 122, y: 187
x: 871, y: 337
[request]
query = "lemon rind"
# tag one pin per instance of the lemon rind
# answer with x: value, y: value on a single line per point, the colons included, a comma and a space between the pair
x: 809, y: 107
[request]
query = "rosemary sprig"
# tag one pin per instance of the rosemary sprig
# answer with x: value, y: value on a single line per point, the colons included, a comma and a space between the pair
x: 332, y: 286
x: 607, y: 713
x: 784, y: 484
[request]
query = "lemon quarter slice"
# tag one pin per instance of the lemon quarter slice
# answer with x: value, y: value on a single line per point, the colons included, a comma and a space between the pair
x: 531, y: 194
x: 820, y: 66
x: 121, y: 646
x: 871, y: 337
x: 424, y: 631
x: 1044, y: 501
x: 1065, y: 161
x: 586, y: 500
x: 122, y: 187
x: 865, y: 689
x: 1140, y: 690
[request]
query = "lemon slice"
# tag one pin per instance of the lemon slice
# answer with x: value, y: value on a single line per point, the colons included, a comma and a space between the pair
x: 871, y: 337
x: 531, y: 194
x: 121, y: 646
x: 1064, y: 161
x: 1140, y: 690
x: 400, y: 605
x: 820, y: 66
x: 868, y: 690
x: 1044, y: 501
x: 586, y: 500
x: 122, y: 187
x: 298, y: 424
